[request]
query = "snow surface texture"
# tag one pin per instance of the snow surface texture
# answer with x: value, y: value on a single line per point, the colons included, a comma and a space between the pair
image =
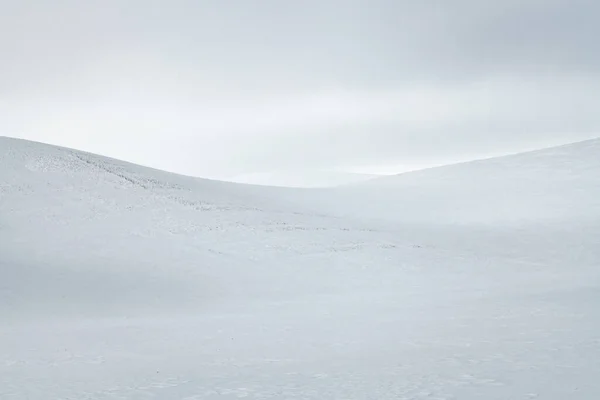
x: 474, y: 281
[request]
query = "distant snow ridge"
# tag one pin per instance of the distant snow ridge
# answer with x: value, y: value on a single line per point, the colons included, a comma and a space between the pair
x: 305, y: 178
x: 474, y: 281
x: 551, y: 185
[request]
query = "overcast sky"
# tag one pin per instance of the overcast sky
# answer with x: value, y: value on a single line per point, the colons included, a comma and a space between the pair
x: 223, y: 87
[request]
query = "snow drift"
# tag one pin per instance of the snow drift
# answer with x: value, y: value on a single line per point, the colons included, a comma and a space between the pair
x: 472, y: 281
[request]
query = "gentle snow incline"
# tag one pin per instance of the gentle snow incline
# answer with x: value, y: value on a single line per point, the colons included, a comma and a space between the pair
x: 122, y: 282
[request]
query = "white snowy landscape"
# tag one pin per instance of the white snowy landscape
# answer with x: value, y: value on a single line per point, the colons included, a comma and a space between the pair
x: 473, y: 281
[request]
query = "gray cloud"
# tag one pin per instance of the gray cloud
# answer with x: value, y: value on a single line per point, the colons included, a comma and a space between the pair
x: 225, y: 87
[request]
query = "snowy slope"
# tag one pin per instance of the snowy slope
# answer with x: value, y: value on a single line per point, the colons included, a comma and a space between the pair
x: 111, y: 222
x: 510, y: 205
x: 545, y: 185
x: 118, y: 281
x: 556, y: 184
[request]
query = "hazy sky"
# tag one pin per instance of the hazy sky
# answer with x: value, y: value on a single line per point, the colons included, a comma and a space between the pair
x: 221, y: 87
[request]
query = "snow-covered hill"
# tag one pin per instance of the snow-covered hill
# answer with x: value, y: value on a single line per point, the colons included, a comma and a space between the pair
x: 472, y: 281
x: 553, y: 185
x: 513, y: 205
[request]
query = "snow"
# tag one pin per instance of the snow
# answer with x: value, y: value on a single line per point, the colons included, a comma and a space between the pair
x: 302, y: 178
x: 474, y: 281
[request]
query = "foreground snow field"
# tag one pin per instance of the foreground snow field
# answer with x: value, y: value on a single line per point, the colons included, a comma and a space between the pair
x: 473, y: 281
